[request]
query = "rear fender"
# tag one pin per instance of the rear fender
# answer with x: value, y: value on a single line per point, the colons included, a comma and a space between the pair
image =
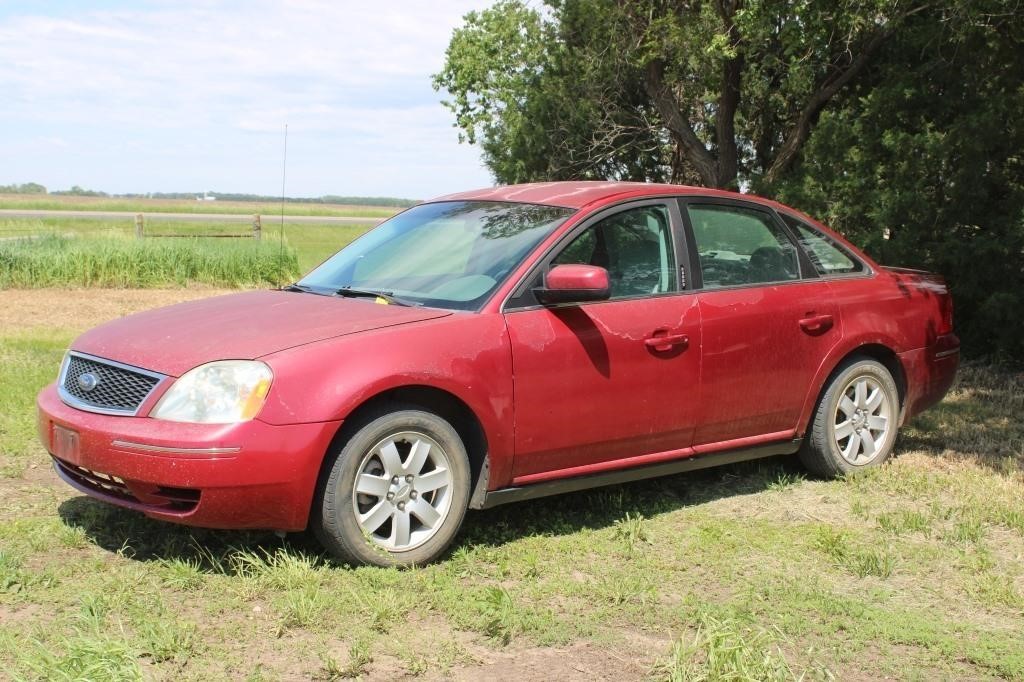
x: 847, y: 348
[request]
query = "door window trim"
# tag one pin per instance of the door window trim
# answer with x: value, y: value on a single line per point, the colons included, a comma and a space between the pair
x: 542, y: 263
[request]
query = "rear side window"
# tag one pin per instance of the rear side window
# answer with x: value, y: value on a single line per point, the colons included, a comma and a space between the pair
x: 741, y: 246
x: 827, y: 256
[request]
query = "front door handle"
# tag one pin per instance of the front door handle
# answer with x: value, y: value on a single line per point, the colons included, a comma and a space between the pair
x: 662, y: 341
x: 816, y: 324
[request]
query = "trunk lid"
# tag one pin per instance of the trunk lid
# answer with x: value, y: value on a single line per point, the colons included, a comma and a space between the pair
x: 931, y: 285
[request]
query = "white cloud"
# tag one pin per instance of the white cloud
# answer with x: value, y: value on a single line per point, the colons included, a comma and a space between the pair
x: 221, y: 79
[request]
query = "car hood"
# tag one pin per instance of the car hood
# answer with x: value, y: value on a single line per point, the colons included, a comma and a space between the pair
x: 175, y: 339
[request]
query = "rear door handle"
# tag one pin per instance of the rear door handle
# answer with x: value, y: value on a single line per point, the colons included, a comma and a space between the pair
x: 816, y: 324
x: 662, y: 341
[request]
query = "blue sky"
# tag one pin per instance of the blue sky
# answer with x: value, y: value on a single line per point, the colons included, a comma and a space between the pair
x: 186, y: 96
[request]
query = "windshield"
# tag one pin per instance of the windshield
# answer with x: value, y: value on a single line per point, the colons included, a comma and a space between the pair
x: 450, y: 254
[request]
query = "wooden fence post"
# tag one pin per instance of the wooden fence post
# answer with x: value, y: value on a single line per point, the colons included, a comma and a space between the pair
x: 257, y: 228
x: 139, y: 226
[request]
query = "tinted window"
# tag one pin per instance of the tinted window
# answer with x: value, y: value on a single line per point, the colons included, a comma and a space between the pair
x: 828, y: 258
x: 451, y: 254
x: 635, y: 246
x: 741, y: 246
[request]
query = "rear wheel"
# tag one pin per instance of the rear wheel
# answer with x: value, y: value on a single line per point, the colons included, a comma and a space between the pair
x: 396, y: 492
x: 855, y: 423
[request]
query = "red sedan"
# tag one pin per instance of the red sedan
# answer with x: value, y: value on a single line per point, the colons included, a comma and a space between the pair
x: 499, y: 345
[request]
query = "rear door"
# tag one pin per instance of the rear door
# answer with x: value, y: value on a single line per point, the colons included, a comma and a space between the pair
x: 768, y: 321
x: 601, y: 382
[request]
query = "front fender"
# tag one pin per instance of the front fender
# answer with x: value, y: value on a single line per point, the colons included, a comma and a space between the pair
x: 467, y: 355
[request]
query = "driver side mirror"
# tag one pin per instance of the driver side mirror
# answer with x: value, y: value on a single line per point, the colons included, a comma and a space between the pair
x: 574, y: 284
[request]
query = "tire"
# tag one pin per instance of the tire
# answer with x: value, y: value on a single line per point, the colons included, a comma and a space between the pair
x: 853, y: 427
x: 407, y: 462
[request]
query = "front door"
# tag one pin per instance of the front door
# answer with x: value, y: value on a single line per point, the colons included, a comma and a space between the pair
x: 610, y: 380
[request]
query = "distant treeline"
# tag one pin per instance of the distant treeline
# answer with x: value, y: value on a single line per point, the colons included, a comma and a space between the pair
x: 76, y: 191
x: 231, y: 196
x: 27, y: 188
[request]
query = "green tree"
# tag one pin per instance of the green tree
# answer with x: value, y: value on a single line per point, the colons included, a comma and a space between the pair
x: 922, y: 163
x: 526, y: 89
x: 713, y: 92
x: 898, y: 122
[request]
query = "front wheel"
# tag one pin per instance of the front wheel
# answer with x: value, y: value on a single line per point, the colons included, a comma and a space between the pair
x: 396, y: 492
x: 855, y: 424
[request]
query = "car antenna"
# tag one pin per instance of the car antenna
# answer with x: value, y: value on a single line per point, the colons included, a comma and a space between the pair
x: 284, y: 175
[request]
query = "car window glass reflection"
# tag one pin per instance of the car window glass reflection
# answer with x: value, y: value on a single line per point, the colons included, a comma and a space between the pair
x: 451, y: 254
x: 741, y: 246
x: 635, y: 246
x: 825, y: 255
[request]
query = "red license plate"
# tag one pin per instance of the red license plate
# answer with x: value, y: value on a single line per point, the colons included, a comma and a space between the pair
x: 66, y: 444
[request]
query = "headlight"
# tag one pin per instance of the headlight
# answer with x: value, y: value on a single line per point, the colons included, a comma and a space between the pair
x: 221, y: 392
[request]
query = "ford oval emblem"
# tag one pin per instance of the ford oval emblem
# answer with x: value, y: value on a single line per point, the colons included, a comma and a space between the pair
x: 88, y: 381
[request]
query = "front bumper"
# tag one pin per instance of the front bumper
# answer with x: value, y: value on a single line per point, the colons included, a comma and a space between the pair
x: 248, y: 475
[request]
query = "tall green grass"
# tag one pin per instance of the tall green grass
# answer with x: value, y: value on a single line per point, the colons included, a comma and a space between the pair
x: 54, y: 260
x: 312, y: 242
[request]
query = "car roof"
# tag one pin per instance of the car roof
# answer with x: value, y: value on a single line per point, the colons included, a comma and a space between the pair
x: 582, y: 193
x: 577, y: 194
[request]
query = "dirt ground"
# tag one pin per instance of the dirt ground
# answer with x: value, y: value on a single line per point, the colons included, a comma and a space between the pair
x: 80, y: 309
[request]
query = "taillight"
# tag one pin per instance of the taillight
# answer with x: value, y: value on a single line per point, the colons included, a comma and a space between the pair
x: 946, y: 311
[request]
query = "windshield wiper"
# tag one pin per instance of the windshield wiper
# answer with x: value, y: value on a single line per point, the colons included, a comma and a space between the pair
x: 388, y: 296
x: 302, y: 288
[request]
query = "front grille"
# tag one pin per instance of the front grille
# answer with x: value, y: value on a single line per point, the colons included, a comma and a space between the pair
x: 116, y: 388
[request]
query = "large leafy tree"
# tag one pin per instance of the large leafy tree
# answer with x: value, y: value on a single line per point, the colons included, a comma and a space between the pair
x: 718, y: 93
x: 922, y: 163
x: 541, y: 104
x: 900, y: 123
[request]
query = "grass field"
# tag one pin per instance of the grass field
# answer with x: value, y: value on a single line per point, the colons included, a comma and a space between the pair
x: 55, y: 260
x: 74, y: 203
x: 914, y: 571
x: 312, y: 243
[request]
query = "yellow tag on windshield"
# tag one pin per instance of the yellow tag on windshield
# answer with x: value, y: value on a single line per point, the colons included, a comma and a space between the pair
x: 380, y: 300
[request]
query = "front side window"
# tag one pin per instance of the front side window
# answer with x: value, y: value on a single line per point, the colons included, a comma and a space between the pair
x: 826, y: 256
x: 450, y: 254
x: 740, y: 246
x: 634, y: 246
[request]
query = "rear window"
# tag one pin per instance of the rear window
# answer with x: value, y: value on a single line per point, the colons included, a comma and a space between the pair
x: 827, y: 257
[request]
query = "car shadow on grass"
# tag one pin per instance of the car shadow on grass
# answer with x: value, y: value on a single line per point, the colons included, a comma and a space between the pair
x: 136, y: 537
x: 978, y: 421
x: 603, y: 507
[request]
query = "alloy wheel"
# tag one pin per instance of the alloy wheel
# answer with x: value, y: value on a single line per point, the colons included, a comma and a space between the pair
x: 863, y: 418
x: 402, y: 491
